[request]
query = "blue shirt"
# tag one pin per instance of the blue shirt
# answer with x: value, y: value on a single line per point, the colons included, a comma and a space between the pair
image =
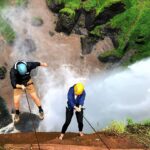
x: 72, y: 101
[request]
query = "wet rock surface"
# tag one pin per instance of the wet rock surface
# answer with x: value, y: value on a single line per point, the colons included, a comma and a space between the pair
x: 5, y: 117
x: 27, y: 45
x: 25, y: 123
x: 55, y: 6
x: 87, y: 44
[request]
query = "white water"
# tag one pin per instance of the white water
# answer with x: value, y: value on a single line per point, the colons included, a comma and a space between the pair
x: 114, y: 95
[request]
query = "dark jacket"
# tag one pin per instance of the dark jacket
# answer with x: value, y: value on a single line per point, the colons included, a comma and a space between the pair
x: 75, y: 102
x: 16, y: 78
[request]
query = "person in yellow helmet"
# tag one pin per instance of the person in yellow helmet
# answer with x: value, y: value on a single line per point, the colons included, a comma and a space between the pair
x: 76, y: 97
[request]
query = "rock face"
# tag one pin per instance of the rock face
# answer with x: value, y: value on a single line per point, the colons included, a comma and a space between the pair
x: 25, y: 123
x: 55, y: 6
x: 66, y: 22
x: 87, y: 44
x: 3, y: 72
x: 84, y: 22
x: 5, y: 117
x: 28, y: 46
x: 110, y: 59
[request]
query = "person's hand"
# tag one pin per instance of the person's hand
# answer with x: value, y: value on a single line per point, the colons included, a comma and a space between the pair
x: 20, y: 86
x: 44, y: 64
x: 23, y: 87
x: 77, y: 109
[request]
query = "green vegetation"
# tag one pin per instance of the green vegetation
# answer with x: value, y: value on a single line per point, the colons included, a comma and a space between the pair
x: 133, y: 24
x: 134, y: 29
x: 5, y: 29
x: 116, y: 127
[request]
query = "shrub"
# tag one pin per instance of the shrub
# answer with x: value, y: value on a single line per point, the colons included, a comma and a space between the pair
x: 116, y: 127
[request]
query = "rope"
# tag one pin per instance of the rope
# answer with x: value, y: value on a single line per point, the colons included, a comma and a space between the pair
x: 33, y: 125
x: 96, y: 133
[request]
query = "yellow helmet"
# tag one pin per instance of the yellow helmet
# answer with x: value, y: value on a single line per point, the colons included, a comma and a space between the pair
x: 78, y: 89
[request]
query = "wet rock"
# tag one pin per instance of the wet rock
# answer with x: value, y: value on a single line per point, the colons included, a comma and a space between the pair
x: 80, y: 25
x: 5, y: 117
x: 109, y: 59
x: 37, y: 21
x: 87, y: 44
x: 90, y: 18
x: 25, y: 123
x: 66, y: 22
x: 55, y: 6
x: 3, y: 72
x: 112, y: 33
x: 28, y: 46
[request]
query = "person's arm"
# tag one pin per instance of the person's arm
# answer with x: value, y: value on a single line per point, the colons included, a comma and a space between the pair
x: 82, y: 99
x: 33, y: 65
x: 70, y: 98
x: 13, y: 78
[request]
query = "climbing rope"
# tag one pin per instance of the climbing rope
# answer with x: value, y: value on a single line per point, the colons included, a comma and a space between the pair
x: 96, y: 133
x: 33, y: 125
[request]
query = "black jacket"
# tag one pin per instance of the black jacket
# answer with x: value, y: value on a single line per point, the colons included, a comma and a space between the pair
x: 16, y: 78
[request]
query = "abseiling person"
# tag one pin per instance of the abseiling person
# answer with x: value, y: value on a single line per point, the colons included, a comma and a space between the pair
x: 21, y: 80
x: 76, y: 97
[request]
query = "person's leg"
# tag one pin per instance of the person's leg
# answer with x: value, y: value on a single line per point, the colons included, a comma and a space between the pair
x: 69, y: 114
x: 36, y: 99
x: 17, y: 96
x: 79, y: 116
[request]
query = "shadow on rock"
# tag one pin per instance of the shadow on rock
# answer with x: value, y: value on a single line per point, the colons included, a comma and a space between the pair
x: 25, y: 123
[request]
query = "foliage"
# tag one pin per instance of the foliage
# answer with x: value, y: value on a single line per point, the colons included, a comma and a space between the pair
x: 116, y: 127
x: 134, y: 28
x: 68, y: 11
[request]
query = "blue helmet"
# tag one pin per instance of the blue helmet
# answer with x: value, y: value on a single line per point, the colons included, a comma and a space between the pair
x: 22, y: 68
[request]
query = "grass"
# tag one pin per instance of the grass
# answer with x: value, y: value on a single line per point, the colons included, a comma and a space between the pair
x: 116, y: 127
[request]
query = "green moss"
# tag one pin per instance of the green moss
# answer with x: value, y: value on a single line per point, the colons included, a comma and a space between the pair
x: 134, y: 23
x: 3, y: 3
x: 97, y: 31
x: 104, y: 4
x: 68, y: 11
x: 89, y: 4
x: 114, y: 53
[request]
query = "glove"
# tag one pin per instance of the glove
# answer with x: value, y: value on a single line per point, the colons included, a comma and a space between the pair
x: 23, y: 87
x: 77, y: 109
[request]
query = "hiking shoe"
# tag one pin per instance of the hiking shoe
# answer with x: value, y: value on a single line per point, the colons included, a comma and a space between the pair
x: 16, y: 118
x: 41, y: 115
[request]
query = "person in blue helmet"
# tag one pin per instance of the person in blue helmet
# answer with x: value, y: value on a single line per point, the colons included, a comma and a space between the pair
x: 21, y: 80
x: 76, y: 98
